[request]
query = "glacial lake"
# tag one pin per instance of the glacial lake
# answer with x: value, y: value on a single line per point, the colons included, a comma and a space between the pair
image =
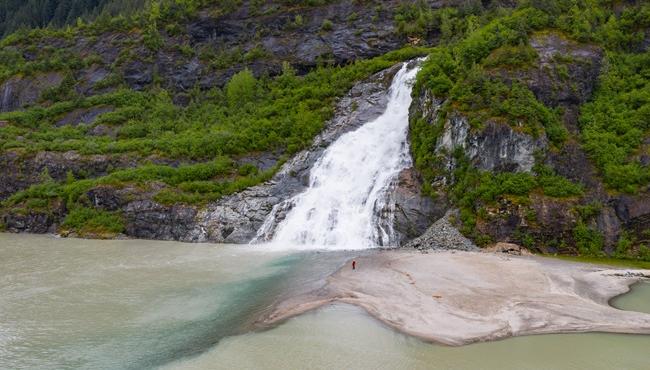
x: 126, y: 304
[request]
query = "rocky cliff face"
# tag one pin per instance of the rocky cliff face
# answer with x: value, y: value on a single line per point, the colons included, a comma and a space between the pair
x: 193, y: 54
x: 185, y: 61
x: 232, y: 219
x: 238, y: 218
x: 564, y: 77
x: 18, y: 92
x: 207, y: 50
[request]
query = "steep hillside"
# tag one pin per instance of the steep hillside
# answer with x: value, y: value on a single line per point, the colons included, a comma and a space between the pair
x: 531, y: 117
x: 536, y: 125
x: 182, y: 104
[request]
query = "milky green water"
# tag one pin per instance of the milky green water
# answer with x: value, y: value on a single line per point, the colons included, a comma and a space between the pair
x: 69, y: 303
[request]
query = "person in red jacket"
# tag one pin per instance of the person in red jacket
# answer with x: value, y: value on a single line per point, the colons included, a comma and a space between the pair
x: 354, y: 264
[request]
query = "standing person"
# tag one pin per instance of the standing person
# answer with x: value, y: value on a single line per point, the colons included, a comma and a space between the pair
x: 354, y: 264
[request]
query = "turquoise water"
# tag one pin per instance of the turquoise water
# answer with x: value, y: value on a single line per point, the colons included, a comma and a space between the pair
x: 344, y: 337
x: 80, y: 304
x: 637, y: 300
x: 72, y: 303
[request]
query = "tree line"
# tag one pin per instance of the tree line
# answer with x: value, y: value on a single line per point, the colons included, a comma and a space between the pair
x: 17, y: 14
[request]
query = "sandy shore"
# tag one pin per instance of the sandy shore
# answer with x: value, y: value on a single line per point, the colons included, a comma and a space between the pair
x: 457, y: 298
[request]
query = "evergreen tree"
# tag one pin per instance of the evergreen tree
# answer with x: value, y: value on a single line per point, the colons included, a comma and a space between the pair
x: 16, y: 14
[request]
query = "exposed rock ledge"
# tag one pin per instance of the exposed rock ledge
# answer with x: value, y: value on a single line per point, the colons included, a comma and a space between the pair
x: 237, y: 218
x: 231, y: 219
x: 457, y: 298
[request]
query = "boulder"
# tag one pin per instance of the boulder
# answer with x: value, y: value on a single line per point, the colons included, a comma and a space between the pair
x: 18, y: 92
x: 507, y: 248
x: 83, y: 116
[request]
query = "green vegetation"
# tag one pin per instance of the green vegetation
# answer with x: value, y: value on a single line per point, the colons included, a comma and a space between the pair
x: 475, y: 189
x: 17, y: 14
x: 616, y: 122
x: 204, y: 139
x: 327, y: 25
x: 588, y: 240
x: 248, y: 115
x: 608, y: 261
x: 508, y: 56
x: 477, y: 73
x: 480, y: 68
x: 89, y: 221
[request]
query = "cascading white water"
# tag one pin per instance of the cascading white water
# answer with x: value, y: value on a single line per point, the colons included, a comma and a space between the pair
x: 348, y: 184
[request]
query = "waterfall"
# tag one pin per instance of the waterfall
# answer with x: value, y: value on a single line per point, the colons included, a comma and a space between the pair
x: 347, y: 202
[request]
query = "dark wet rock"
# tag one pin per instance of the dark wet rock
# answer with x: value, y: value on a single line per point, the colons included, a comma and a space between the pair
x: 90, y: 77
x: 150, y: 220
x: 18, y: 92
x: 262, y: 161
x: 414, y: 212
x: 36, y: 222
x: 20, y: 171
x: 33, y: 220
x: 138, y: 74
x: 103, y: 130
x: 182, y: 99
x: 634, y: 212
x: 567, y: 72
x: 83, y: 116
x: 572, y: 162
x: 496, y: 147
x: 107, y: 198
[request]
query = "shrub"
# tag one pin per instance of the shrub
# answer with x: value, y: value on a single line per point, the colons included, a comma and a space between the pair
x: 511, y: 56
x: 614, y: 124
x: 327, y: 25
x: 588, y: 241
x: 242, y: 88
x: 92, y: 221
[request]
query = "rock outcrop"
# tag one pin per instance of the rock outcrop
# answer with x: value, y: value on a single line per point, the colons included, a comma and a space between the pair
x: 18, y: 92
x: 564, y: 77
x: 23, y: 170
x: 496, y: 147
x: 237, y: 218
x: 414, y: 211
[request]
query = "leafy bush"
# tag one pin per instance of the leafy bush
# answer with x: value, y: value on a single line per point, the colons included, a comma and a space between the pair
x: 91, y: 221
x: 241, y: 89
x: 327, y: 25
x: 588, y: 241
x: 614, y: 124
x: 511, y: 56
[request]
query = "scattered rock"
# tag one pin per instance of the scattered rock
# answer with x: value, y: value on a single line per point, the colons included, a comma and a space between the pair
x: 508, y: 248
x: 21, y: 171
x: 442, y: 235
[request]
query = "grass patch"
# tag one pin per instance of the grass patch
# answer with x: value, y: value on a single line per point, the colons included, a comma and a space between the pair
x: 93, y: 222
x: 607, y: 261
